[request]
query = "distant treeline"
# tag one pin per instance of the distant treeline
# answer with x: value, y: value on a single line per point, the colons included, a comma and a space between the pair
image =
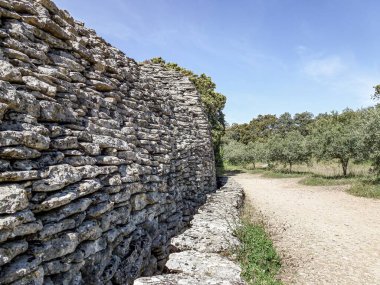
x: 347, y: 136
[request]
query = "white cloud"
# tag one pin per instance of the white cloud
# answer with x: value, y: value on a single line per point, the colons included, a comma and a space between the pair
x: 339, y: 74
x: 325, y: 67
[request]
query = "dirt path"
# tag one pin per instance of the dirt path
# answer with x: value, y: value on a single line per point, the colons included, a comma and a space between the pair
x: 324, y: 235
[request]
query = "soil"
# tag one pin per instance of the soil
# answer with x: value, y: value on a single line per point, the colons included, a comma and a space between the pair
x: 323, y: 234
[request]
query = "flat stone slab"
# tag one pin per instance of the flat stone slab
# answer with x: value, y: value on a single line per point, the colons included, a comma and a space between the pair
x: 183, y: 279
x: 208, y: 265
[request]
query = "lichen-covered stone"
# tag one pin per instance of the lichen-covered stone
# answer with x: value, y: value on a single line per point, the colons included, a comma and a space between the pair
x: 9, y: 176
x: 13, y: 198
x: 28, y: 138
x: 204, y: 264
x: 20, y: 267
x: 10, y: 250
x: 8, y: 72
x: 18, y: 152
x: 59, y: 176
x: 64, y: 244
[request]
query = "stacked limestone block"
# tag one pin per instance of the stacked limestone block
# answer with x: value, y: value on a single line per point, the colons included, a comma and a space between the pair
x: 102, y: 160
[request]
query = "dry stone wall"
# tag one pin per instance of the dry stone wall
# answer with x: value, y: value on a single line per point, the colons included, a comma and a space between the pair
x: 102, y: 159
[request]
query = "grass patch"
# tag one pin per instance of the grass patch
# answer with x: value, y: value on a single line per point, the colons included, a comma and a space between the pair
x: 368, y: 187
x: 365, y: 188
x: 325, y: 181
x: 258, y: 259
x: 282, y: 174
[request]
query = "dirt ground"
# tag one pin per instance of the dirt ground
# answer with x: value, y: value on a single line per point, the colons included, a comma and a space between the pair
x: 324, y: 235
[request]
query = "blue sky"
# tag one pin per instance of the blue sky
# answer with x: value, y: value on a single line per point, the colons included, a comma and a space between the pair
x: 266, y: 56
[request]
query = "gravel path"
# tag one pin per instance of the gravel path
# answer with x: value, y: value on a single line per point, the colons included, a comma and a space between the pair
x: 324, y: 235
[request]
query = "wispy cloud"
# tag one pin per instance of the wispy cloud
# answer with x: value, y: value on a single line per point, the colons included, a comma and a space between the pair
x: 339, y: 73
x: 325, y: 67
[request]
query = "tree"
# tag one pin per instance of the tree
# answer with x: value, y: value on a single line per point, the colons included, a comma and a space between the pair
x: 289, y: 150
x: 235, y: 153
x: 302, y: 122
x: 372, y: 137
x: 376, y: 95
x: 212, y: 101
x: 338, y: 136
x: 255, y: 152
x: 284, y: 124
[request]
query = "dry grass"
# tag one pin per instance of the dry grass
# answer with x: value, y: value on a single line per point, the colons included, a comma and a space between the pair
x: 333, y: 169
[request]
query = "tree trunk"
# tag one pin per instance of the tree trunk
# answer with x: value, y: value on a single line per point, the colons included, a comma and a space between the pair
x: 254, y: 165
x: 344, y: 166
x: 290, y: 167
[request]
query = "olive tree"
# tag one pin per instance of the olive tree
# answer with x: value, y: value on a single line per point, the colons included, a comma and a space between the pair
x: 371, y: 137
x: 235, y: 153
x: 339, y: 136
x: 238, y: 153
x: 256, y: 152
x: 289, y: 149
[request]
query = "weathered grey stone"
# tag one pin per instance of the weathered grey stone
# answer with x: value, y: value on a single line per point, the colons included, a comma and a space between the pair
x: 38, y: 85
x: 65, y: 143
x: 59, y: 176
x: 11, y: 249
x: 110, y: 142
x: 90, y: 148
x: 21, y: 230
x: 28, y: 138
x: 140, y: 201
x: 76, y: 207
x: 100, y: 209
x: 8, y: 72
x: 13, y: 198
x: 54, y: 112
x: 5, y: 165
x: 49, y: 26
x: 109, y: 160
x: 18, y: 152
x: 80, y: 160
x: 56, y: 200
x: 10, y: 176
x: 89, y: 230
x: 35, y: 278
x: 66, y: 62
x: 66, y: 243
x: 54, y: 228
x: 204, y: 264
x: 183, y: 279
x: 19, y: 268
x: 3, y: 109
x: 13, y: 220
